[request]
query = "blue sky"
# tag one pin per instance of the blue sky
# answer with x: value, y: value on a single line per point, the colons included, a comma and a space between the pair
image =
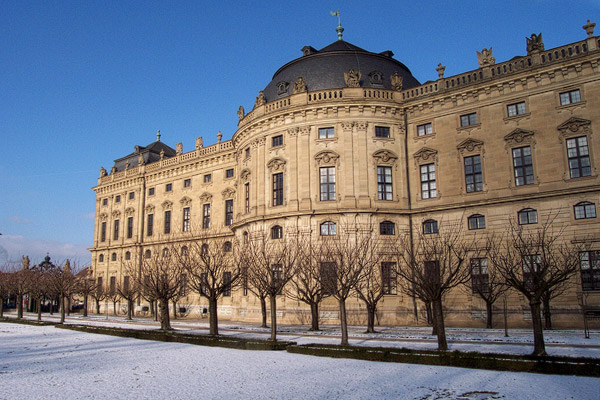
x: 82, y: 82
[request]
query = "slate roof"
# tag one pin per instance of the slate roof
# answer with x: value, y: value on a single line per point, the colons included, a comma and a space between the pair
x: 151, y: 153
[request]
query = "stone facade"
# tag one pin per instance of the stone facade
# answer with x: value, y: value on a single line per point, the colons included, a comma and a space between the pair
x: 424, y: 135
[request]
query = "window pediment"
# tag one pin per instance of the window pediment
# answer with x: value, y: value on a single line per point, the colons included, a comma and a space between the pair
x: 470, y: 146
x: 228, y: 193
x: 245, y: 175
x: 129, y: 211
x: 167, y: 205
x: 116, y: 214
x: 103, y: 216
x: 205, y: 197
x: 149, y: 208
x: 574, y: 125
x: 385, y: 157
x: 426, y: 154
x: 518, y: 137
x: 276, y: 164
x: 185, y: 201
x: 326, y: 157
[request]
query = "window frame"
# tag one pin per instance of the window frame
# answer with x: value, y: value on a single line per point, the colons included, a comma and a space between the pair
x: 206, y: 216
x: 167, y: 222
x: 425, y: 129
x: 583, y: 208
x: 430, y: 227
x: 229, y: 173
x: 327, y: 188
x: 480, y: 282
x: 150, y: 225
x: 129, y: 227
x: 430, y: 183
x: 103, y: 231
x: 475, y: 222
x: 382, y: 132
x: 471, y: 173
x: 118, y: 198
x: 277, y: 141
x: 207, y: 178
x: 131, y: 195
x: 590, y: 281
x: 579, y: 157
x: 151, y: 191
x: 385, y: 186
x: 528, y: 212
x: 228, y: 212
x: 247, y: 197
x: 168, y: 187
x: 186, y: 219
x: 515, y: 109
x: 387, y: 228
x: 389, y: 278
x: 277, y: 186
x: 187, y: 183
x: 327, y: 132
x: 469, y: 119
x: 116, y: 229
x: 523, y: 167
x: 570, y: 95
x: 276, y: 232
x: 327, y: 228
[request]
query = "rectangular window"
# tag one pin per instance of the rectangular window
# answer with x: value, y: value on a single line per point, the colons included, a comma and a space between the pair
x: 473, y: 175
x: 116, y: 230
x: 589, y: 262
x: 523, y: 166
x: 432, y: 271
x: 113, y: 285
x: 516, y: 109
x: 278, y: 189
x: 229, y: 173
x: 186, y: 219
x: 126, y: 283
x: 206, y: 216
x: 150, y: 229
x: 480, y: 278
x: 277, y: 278
x: 277, y: 141
x: 228, y: 212
x: 168, y: 187
x: 328, y: 272
x: 244, y: 281
x: 104, y: 202
x: 384, y: 183
x: 247, y: 152
x: 167, y: 222
x: 327, y: 183
x: 103, y: 232
x: 326, y: 133
x: 183, y: 285
x: 579, y: 157
x: 117, y: 199
x: 207, y: 178
x: 428, y: 183
x: 532, y: 264
x: 382, y: 131
x: 247, y: 197
x: 468, y: 119
x: 151, y: 192
x: 129, y: 227
x: 388, y: 277
x: 584, y: 210
x: 131, y: 195
x: 187, y: 183
x: 570, y: 97
x: 424, y: 129
x: 227, y: 284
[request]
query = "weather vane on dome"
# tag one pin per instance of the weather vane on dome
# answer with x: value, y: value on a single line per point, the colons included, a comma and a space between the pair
x: 339, y: 28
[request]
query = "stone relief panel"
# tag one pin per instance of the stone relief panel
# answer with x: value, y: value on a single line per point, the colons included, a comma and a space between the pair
x: 326, y: 157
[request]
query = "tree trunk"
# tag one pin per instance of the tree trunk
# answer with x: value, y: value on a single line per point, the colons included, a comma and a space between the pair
x: 343, y: 322
x: 273, y: 303
x: 314, y: 315
x: 439, y: 324
x: 371, y: 309
x: 165, y: 323
x: 69, y: 305
x: 85, y: 305
x: 39, y: 308
x: 429, y: 314
x: 547, y: 314
x: 174, y: 310
x: 114, y: 307
x: 1, y: 308
x: 129, y: 309
x: 152, y: 314
x: 97, y: 306
x: 20, y: 307
x: 488, y: 309
x: 155, y: 308
x: 539, y: 348
x: 62, y: 309
x: 263, y: 310
x: 213, y: 318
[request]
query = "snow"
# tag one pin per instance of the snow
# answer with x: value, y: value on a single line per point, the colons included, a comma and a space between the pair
x: 40, y: 362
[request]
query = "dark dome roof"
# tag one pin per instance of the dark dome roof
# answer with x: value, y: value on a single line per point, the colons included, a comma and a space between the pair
x: 324, y: 69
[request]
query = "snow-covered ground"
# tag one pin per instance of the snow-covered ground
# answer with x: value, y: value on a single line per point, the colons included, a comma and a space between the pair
x: 42, y: 362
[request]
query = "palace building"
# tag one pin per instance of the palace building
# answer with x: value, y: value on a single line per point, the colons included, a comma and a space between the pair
x: 345, y: 135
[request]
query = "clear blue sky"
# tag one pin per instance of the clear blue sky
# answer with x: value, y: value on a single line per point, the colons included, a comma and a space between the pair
x: 82, y: 82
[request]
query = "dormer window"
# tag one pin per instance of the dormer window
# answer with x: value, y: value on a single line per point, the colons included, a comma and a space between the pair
x: 376, y: 77
x: 282, y: 87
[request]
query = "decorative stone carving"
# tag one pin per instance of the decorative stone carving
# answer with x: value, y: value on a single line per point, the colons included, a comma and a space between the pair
x: 103, y: 216
x: 260, y: 99
x: 396, y: 81
x: 219, y: 137
x: 149, y: 208
x: 129, y: 211
x: 534, y: 43
x: 228, y: 193
x: 589, y: 28
x: 469, y: 146
x: 326, y: 157
x: 116, y: 214
x: 179, y: 148
x: 376, y: 77
x: 385, y: 157
x: 199, y: 143
x: 240, y: 113
x: 305, y: 130
x: 127, y: 164
x: 276, y: 164
x: 299, y: 85
x: 440, y: 70
x: 352, y: 78
x: 282, y: 87
x: 245, y: 175
x: 485, y: 58
x: 113, y: 170
x: 162, y: 154
x: 574, y: 125
x: 185, y: 201
x: 518, y: 137
x: 140, y: 159
x: 293, y: 131
x: 426, y: 155
x: 103, y: 172
x: 205, y: 197
x: 167, y: 205
x: 27, y: 262
x: 348, y: 125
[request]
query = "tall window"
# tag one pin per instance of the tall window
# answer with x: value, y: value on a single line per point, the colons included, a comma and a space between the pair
x: 473, y: 176
x: 113, y: 285
x: 382, y: 131
x: 516, y: 109
x: 278, y: 189
x: 131, y: 195
x: 326, y: 133
x: 113, y: 257
x: 103, y: 232
x: 388, y: 277
x: 100, y: 285
x: 328, y: 272
x: 148, y: 253
x: 579, y: 157
x: 277, y: 278
x: 117, y: 199
x: 101, y: 258
x: 432, y: 271
x: 186, y: 219
x: 387, y: 228
x: 126, y: 283
x: 206, y: 216
x: 227, y: 283
x: 527, y: 216
x: 328, y: 229
x: 150, y: 228
x: 167, y: 227
x: 116, y: 230
x: 228, y: 212
x: 572, y: 96
x: 476, y: 221
x: 424, y: 129
x: 589, y: 261
x: 430, y: 226
x: 151, y: 192
x: 183, y: 285
x: 523, y: 166
x: 104, y: 202
x: 428, y: 183
x: 244, y: 281
x: 227, y: 247
x: 468, y: 119
x: 480, y: 278
x: 129, y: 227
x: 187, y: 183
x: 327, y: 183
x: 127, y: 255
x: 531, y: 267
x: 276, y: 232
x: 384, y: 183
x: 584, y: 210
x: 168, y: 187
x: 247, y: 197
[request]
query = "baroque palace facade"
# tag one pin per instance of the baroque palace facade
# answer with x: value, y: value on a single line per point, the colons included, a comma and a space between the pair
x: 342, y: 135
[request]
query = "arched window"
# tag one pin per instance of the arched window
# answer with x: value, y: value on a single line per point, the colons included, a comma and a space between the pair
x: 276, y: 232
x: 387, y: 228
x: 430, y: 226
x: 476, y: 221
x: 101, y: 258
x: 245, y: 237
x: 184, y: 251
x: 165, y: 252
x: 148, y: 253
x: 328, y: 228
x: 227, y: 246
x: 128, y: 255
x: 113, y: 257
x: 527, y: 216
x: 584, y: 210
x: 204, y: 249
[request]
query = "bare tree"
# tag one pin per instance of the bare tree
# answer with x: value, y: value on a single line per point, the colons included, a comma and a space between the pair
x: 4, y: 287
x: 62, y: 281
x: 211, y: 268
x: 535, y: 260
x: 433, y: 266
x: 98, y: 293
x: 271, y: 265
x: 85, y: 285
x: 128, y: 290
x: 112, y: 293
x: 19, y: 282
